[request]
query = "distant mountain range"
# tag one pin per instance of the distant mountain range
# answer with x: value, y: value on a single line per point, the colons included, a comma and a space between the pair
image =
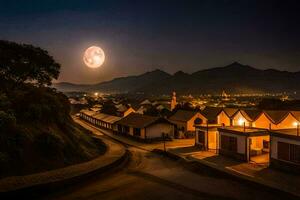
x: 233, y: 78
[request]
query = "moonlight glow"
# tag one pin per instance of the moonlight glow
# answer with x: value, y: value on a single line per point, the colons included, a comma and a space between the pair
x: 94, y: 57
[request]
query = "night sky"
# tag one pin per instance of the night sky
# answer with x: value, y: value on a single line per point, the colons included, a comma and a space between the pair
x: 139, y: 36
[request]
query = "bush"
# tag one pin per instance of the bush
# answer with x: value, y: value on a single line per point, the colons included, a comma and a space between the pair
x: 50, y: 145
x: 7, y: 120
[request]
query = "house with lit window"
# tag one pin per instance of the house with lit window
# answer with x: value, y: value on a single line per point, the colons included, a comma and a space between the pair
x: 226, y: 115
x: 206, y: 134
x: 277, y: 119
x: 285, y: 149
x: 145, y: 127
x: 244, y: 143
x: 245, y: 117
x: 211, y: 114
x: 101, y: 120
x: 184, y: 121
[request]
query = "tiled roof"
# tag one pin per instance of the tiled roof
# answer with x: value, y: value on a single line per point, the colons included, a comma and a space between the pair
x: 276, y: 116
x: 107, y: 118
x: 250, y: 115
x: 88, y: 112
x: 211, y: 113
x: 296, y: 114
x: 230, y: 111
x: 183, y: 115
x: 140, y: 121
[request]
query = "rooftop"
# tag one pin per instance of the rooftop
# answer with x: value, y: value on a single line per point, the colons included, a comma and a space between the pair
x: 183, y: 115
x: 249, y: 131
x: 139, y: 120
x: 287, y: 133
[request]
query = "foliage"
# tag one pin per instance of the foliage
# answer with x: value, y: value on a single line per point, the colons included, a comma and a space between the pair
x: 49, y: 144
x: 36, y: 130
x: 108, y: 107
x: 22, y: 63
x: 7, y: 120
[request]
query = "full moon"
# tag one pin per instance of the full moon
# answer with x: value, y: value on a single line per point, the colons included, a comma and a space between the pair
x: 94, y: 57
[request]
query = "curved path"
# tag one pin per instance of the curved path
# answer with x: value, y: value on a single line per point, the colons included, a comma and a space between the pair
x: 151, y: 176
x: 113, y: 154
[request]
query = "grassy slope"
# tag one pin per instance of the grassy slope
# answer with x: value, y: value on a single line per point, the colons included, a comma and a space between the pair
x: 41, y: 147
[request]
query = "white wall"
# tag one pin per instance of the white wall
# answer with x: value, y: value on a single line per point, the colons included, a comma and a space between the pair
x: 156, y: 130
x: 275, y: 140
x: 241, y: 141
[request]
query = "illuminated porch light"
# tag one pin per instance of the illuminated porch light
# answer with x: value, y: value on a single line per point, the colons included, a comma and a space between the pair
x: 296, y: 124
x: 241, y: 122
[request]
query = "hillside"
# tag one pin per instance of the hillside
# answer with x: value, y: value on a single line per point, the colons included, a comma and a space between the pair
x: 37, y: 132
x: 235, y: 78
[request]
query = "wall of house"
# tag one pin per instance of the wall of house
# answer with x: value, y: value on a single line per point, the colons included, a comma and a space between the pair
x: 190, y: 124
x: 222, y: 118
x: 237, y: 118
x: 156, y: 130
x: 275, y: 140
x: 180, y: 125
x: 262, y: 122
x: 241, y: 141
x: 213, y: 138
x: 288, y: 122
x: 257, y: 142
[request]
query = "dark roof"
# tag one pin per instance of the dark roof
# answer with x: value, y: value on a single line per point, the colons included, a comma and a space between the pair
x: 211, y: 113
x: 296, y: 114
x: 183, y: 115
x: 230, y: 112
x: 140, y: 121
x: 276, y: 116
x: 250, y: 115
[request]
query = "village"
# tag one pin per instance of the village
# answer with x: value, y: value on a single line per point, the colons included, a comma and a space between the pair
x: 268, y: 138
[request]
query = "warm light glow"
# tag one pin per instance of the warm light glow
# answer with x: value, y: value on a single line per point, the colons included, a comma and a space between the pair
x: 94, y: 57
x: 296, y: 123
x: 241, y: 122
x: 96, y: 93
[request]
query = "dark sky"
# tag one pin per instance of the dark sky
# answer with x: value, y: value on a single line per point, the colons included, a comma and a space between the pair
x: 139, y: 36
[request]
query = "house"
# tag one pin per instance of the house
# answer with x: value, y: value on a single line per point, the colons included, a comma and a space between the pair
x: 246, y: 144
x: 278, y: 119
x: 145, y: 127
x: 87, y: 115
x: 99, y: 119
x: 225, y: 116
x: 211, y: 114
x: 184, y: 121
x: 207, y: 136
x: 105, y: 121
x: 285, y: 149
x: 123, y: 110
x: 245, y: 117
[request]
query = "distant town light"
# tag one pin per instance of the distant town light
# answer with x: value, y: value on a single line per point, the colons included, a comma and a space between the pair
x: 96, y: 93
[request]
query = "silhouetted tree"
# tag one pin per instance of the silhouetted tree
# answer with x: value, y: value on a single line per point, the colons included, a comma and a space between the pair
x: 108, y: 107
x: 22, y: 63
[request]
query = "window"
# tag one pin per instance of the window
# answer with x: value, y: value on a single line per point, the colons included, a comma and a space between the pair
x: 137, y: 132
x: 288, y: 152
x: 229, y: 143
